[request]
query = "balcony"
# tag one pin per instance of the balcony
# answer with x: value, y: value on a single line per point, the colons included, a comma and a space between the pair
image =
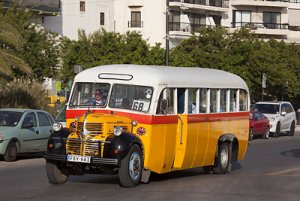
x: 185, y: 27
x: 135, y: 24
x: 261, y: 3
x: 200, y: 5
x: 263, y: 28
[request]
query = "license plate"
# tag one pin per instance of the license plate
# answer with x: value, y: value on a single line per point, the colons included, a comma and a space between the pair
x: 79, y: 159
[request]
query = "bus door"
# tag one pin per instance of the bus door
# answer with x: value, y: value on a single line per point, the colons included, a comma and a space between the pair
x: 192, y: 130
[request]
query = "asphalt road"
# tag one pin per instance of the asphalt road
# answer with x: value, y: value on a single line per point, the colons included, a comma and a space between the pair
x: 270, y: 171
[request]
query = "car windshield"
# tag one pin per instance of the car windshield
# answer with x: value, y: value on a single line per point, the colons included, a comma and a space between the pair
x: 61, y: 117
x: 267, y: 108
x: 10, y: 118
x: 131, y: 97
x: 89, y: 94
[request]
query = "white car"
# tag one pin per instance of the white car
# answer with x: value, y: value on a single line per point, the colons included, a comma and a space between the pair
x: 282, y: 116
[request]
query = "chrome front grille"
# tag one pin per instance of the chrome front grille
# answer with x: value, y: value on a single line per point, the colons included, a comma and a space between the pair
x: 74, y: 146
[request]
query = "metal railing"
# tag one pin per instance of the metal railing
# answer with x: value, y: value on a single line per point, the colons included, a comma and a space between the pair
x: 294, y: 1
x: 185, y: 27
x: 215, y: 3
x: 135, y: 24
x: 256, y: 25
x: 294, y: 28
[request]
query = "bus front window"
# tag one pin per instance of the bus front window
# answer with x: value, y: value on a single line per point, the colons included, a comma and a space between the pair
x: 131, y: 97
x: 89, y: 94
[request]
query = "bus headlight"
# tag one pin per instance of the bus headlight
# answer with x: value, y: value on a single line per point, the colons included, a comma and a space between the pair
x: 118, y: 130
x: 57, y: 126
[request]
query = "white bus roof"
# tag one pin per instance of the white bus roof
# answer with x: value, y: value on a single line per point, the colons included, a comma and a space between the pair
x: 162, y: 75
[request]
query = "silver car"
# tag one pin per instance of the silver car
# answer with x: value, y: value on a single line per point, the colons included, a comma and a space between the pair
x: 23, y: 131
x: 282, y: 116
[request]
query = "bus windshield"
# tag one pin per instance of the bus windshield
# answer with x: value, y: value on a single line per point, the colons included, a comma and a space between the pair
x: 89, y: 94
x: 131, y: 97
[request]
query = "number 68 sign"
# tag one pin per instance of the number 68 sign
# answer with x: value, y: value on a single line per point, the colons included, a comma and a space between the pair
x: 140, y: 105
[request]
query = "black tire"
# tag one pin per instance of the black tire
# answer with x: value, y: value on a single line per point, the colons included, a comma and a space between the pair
x: 277, y: 131
x: 130, y: 172
x: 223, y: 160
x: 292, y: 129
x: 55, y: 175
x: 11, y: 152
x: 251, y: 134
x: 266, y: 135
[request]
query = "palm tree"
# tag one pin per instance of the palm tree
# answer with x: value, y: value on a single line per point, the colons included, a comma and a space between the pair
x: 11, y: 41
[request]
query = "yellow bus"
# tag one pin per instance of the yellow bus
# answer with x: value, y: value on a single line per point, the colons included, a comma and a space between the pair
x: 154, y: 119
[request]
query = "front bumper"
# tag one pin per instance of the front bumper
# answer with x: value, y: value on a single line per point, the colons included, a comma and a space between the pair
x: 94, y: 160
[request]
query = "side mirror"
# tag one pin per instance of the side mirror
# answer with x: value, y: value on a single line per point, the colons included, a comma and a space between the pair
x: 29, y: 125
x: 163, y: 105
x: 283, y: 113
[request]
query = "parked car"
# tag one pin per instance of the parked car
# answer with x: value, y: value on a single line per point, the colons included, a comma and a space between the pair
x: 259, y: 125
x: 23, y: 131
x: 282, y: 116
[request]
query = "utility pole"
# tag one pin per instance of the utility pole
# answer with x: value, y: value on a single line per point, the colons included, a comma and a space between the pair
x: 167, y: 33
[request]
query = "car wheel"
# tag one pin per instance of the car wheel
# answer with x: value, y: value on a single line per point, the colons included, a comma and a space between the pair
x: 266, y: 135
x: 11, y: 152
x: 130, y: 172
x: 223, y: 160
x: 277, y: 131
x: 251, y: 134
x: 55, y: 175
x: 292, y: 129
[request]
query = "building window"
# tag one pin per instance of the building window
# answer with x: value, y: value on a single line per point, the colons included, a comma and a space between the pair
x: 241, y: 18
x: 82, y: 6
x: 271, y: 20
x: 101, y: 18
x: 135, y: 19
x: 174, y: 21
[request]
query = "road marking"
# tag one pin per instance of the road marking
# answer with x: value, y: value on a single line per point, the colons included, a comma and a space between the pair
x: 282, y: 172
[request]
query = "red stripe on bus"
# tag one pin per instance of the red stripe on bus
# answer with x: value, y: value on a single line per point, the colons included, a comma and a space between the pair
x: 217, y: 117
x: 168, y: 119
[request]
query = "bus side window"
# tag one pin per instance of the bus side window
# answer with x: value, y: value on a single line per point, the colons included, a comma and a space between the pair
x: 203, y: 101
x: 243, y: 100
x: 223, y: 93
x: 192, y: 101
x: 213, y: 100
x: 180, y: 100
x: 233, y: 100
x: 169, y: 95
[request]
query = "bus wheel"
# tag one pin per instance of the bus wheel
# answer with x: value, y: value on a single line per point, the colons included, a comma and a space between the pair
x: 130, y: 172
x: 55, y: 175
x: 223, y: 159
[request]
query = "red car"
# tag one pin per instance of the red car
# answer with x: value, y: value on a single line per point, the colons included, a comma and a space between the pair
x: 259, y: 125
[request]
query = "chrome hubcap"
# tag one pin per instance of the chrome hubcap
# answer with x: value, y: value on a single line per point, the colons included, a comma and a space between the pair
x: 134, y: 166
x: 224, y: 157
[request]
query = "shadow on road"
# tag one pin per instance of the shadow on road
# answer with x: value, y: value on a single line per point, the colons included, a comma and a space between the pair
x: 292, y: 153
x: 27, y: 156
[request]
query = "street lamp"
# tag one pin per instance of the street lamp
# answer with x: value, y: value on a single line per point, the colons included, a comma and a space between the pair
x: 167, y: 33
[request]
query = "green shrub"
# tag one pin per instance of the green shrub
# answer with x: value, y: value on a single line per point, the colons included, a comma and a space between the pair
x: 24, y: 93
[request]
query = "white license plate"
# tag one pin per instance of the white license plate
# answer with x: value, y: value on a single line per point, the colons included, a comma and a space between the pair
x: 79, y: 159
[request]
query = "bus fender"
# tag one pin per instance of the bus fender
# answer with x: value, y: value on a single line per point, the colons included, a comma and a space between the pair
x: 123, y: 143
x: 58, y: 141
x: 233, y: 142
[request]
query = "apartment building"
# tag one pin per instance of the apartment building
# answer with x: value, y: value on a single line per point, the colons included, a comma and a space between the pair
x: 278, y: 19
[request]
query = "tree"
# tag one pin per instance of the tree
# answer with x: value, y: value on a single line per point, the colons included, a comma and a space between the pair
x: 11, y: 41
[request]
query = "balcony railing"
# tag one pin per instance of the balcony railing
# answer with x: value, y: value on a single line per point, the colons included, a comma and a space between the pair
x: 294, y: 1
x: 185, y: 27
x: 294, y: 28
x: 256, y: 25
x: 215, y: 3
x: 135, y: 24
